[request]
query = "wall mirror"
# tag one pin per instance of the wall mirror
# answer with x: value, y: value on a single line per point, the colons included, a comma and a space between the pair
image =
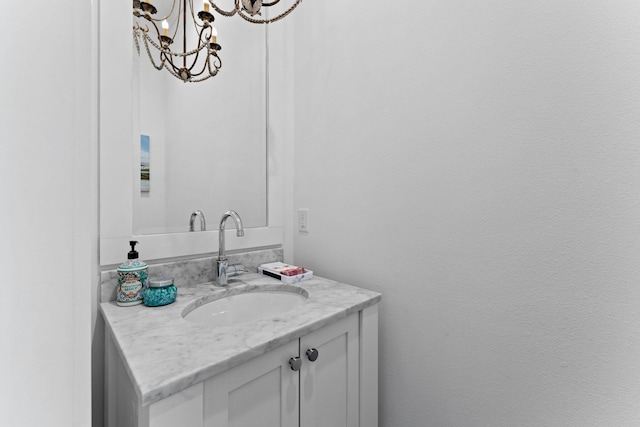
x: 205, y: 144
x: 214, y: 145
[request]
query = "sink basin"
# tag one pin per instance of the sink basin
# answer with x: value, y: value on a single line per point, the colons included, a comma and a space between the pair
x: 245, y: 307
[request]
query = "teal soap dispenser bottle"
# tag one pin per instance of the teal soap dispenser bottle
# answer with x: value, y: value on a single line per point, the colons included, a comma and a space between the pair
x: 132, y: 279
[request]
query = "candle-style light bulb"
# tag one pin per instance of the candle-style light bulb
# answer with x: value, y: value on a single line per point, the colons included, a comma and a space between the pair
x: 165, y: 28
x: 214, y: 35
x: 205, y: 5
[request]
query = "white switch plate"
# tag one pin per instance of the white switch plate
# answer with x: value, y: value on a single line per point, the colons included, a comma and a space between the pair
x: 303, y: 220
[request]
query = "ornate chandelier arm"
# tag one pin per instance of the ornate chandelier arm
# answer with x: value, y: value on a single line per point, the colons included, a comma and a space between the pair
x: 139, y: 32
x: 180, y: 54
x: 217, y: 64
x: 166, y: 57
x: 212, y: 72
x: 271, y: 20
x: 148, y: 11
x: 201, y: 46
x: 223, y: 12
x: 153, y: 62
x: 148, y: 18
x: 173, y: 73
x: 167, y: 50
x: 202, y: 70
x: 165, y: 53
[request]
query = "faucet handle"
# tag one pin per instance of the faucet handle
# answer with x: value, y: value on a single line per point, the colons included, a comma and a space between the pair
x: 235, y: 270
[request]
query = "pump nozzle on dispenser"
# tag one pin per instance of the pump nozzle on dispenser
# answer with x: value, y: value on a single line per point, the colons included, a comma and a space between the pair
x: 133, y: 254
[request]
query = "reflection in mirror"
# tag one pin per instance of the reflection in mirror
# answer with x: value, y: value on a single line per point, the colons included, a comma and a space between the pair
x: 207, y: 145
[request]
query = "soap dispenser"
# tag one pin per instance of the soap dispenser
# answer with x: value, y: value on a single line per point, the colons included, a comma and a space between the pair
x: 132, y: 279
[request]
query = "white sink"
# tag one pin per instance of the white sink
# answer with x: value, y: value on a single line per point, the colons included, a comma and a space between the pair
x: 245, y: 307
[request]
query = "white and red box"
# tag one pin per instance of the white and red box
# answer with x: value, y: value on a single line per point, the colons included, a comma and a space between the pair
x: 286, y: 273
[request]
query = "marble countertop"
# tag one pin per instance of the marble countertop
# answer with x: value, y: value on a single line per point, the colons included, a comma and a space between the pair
x: 164, y: 353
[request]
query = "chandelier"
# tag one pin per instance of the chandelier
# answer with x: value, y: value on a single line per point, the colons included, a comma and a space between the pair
x: 201, y: 61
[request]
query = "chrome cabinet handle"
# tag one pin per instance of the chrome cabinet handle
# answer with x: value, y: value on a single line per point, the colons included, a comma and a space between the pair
x: 312, y: 354
x: 295, y: 363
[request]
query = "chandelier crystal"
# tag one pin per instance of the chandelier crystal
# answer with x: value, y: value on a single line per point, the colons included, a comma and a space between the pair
x: 201, y: 62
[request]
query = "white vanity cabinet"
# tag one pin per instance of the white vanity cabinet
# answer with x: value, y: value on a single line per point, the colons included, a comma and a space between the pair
x: 333, y: 383
x: 268, y: 392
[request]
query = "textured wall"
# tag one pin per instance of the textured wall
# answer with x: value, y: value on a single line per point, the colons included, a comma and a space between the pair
x: 479, y: 164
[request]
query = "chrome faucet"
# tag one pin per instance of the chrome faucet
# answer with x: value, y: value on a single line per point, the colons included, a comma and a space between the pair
x: 222, y: 264
x: 203, y: 223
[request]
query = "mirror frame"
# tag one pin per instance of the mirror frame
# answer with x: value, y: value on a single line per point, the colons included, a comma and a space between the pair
x: 117, y: 172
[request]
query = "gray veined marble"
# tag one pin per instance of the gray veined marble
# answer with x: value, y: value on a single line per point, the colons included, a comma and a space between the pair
x: 163, y: 353
x: 192, y: 272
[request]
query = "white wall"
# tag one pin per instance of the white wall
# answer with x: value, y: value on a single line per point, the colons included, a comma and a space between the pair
x: 48, y: 214
x: 479, y: 164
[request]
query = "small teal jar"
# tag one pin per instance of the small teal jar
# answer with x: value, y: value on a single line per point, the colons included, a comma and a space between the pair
x: 161, y: 291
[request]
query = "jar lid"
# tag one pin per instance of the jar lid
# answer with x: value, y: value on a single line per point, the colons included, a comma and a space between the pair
x: 160, y: 282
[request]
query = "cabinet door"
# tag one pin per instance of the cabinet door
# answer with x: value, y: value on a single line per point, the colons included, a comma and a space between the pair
x: 262, y: 392
x: 329, y: 386
x: 182, y: 409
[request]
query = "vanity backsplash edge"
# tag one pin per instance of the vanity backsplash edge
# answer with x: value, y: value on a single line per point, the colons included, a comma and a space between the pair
x: 193, y: 271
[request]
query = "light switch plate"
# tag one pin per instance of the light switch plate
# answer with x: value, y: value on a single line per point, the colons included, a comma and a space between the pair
x: 303, y: 220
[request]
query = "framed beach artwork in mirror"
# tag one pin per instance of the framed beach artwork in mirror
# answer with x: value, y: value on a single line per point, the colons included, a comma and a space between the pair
x: 145, y: 165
